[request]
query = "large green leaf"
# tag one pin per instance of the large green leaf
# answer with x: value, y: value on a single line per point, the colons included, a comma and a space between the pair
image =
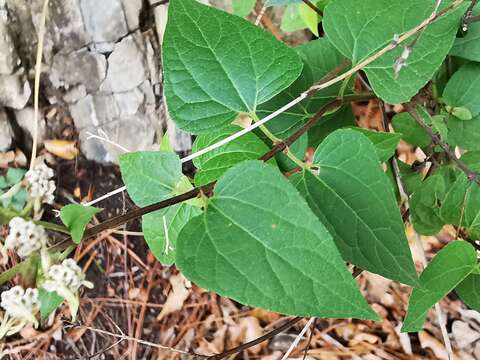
x: 151, y: 177
x: 329, y: 123
x: 217, y: 65
x: 49, y: 302
x: 213, y: 164
x: 353, y: 197
x: 446, y: 270
x: 360, y: 28
x: 469, y: 291
x: 463, y: 89
x: 259, y: 243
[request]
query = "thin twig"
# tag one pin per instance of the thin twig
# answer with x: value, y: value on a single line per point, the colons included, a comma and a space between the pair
x: 437, y: 140
x: 297, y: 339
x: 469, y: 18
x: 38, y: 72
x: 418, y: 240
x: 123, y: 337
x: 260, y: 15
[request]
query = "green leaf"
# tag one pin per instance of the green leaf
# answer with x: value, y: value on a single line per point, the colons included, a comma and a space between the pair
x: 7, y: 214
x: 76, y: 217
x: 259, y: 244
x: 447, y: 269
x: 353, y: 197
x: 426, y: 202
x: 217, y: 65
x: 463, y: 91
x: 319, y: 58
x: 243, y: 8
x: 329, y: 123
x: 282, y: 2
x: 49, y: 302
x: 469, y: 291
x: 360, y: 28
x: 151, y: 177
x: 385, y: 143
x: 310, y: 18
x: 213, y: 164
x: 165, y: 144
x: 291, y: 19
x: 411, y: 131
x: 14, y: 176
x: 465, y: 134
x: 171, y: 220
x: 468, y: 47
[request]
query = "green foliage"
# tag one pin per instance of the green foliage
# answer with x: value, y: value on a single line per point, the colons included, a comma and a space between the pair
x: 282, y: 244
x: 237, y: 66
x: 49, y: 302
x: 243, y: 7
x: 468, y: 46
x: 410, y: 130
x: 76, y: 217
x: 213, y: 164
x: 151, y: 177
x: 354, y: 199
x: 385, y: 143
x: 462, y: 92
x: 12, y: 178
x: 469, y: 291
x: 258, y: 232
x: 360, y: 28
x: 446, y: 270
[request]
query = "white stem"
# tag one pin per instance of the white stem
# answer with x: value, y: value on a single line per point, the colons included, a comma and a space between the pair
x: 298, y: 338
x: 38, y: 71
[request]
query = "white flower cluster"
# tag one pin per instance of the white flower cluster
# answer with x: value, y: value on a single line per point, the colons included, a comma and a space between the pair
x: 21, y: 307
x: 40, y: 185
x: 25, y: 237
x: 67, y: 275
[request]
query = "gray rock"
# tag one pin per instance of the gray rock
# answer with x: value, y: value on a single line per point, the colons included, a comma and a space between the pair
x: 127, y: 66
x: 78, y: 67
x: 25, y: 119
x: 14, y: 92
x: 104, y: 21
x: 132, y: 9
x: 8, y: 55
x: 5, y: 132
x: 118, y: 132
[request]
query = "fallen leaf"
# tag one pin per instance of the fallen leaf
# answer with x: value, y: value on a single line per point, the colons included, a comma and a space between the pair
x: 64, y: 149
x: 429, y: 342
x: 252, y: 331
x: 178, y: 295
x: 463, y: 334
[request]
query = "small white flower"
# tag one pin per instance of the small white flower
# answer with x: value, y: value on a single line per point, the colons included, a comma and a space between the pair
x: 40, y: 185
x: 21, y: 307
x: 25, y: 237
x: 65, y: 279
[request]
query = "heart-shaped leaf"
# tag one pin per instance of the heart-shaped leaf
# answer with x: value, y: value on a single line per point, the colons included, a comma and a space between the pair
x: 217, y: 65
x: 353, y: 197
x: 259, y: 243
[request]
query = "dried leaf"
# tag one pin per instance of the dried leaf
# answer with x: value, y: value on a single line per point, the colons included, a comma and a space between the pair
x: 178, y: 295
x: 64, y: 149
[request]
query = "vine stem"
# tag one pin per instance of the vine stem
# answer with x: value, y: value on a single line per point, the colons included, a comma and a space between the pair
x: 437, y: 140
x: 207, y: 189
x: 418, y: 241
x: 311, y: 91
x: 38, y: 71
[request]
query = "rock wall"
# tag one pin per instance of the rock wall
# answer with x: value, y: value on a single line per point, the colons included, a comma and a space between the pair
x: 101, y: 63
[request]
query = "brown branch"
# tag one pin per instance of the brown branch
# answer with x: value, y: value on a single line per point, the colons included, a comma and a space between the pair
x: 437, y: 140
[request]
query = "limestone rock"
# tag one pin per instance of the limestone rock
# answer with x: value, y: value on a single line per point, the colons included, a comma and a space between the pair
x: 14, y: 91
x: 5, y: 132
